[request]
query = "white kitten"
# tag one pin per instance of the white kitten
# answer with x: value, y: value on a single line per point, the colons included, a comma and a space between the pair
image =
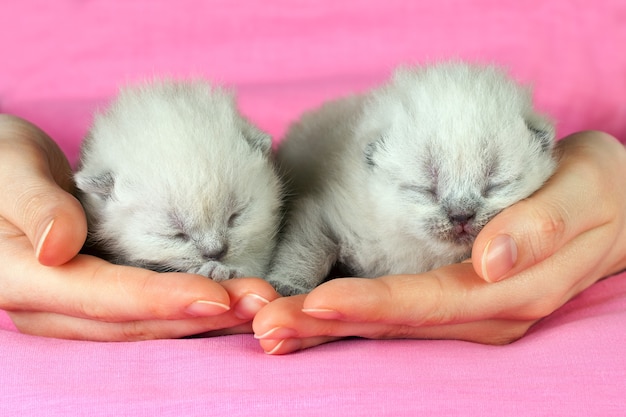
x: 173, y: 178
x: 402, y: 179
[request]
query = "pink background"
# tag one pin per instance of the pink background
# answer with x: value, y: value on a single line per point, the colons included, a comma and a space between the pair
x: 62, y: 60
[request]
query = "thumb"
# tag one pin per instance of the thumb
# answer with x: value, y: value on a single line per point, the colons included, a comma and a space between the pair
x: 570, y: 203
x: 519, y: 237
x: 36, y: 184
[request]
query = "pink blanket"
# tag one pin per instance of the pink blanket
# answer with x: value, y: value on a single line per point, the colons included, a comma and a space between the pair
x: 61, y: 60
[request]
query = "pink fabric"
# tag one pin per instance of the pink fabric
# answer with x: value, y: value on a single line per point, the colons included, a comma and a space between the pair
x: 63, y: 59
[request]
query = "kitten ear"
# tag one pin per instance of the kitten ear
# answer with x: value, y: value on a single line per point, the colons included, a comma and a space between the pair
x: 257, y: 138
x: 100, y: 185
x: 542, y: 130
x: 371, y: 150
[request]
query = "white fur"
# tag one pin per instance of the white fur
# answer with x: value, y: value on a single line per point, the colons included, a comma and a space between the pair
x: 173, y: 178
x: 380, y: 183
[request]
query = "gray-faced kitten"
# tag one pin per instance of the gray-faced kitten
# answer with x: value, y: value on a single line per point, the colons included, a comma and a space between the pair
x: 173, y: 178
x: 401, y: 180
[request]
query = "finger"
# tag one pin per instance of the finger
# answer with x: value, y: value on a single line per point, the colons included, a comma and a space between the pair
x: 276, y: 321
x: 572, y: 202
x: 279, y: 326
x: 248, y: 296
x: 67, y: 327
x: 283, y: 328
x: 35, y: 179
x: 450, y: 294
x: 92, y: 288
x: 289, y: 318
x: 489, y: 332
x: 249, y: 292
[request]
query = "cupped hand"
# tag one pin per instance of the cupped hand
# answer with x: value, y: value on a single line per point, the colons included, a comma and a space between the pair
x: 526, y: 263
x: 49, y: 289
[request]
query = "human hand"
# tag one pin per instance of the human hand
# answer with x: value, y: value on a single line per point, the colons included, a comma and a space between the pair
x: 566, y: 236
x: 49, y: 290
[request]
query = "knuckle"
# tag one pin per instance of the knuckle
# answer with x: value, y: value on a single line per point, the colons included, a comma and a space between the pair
x: 117, y: 296
x: 32, y: 203
x: 547, y: 228
x: 134, y: 331
x: 146, y: 287
x: 29, y: 202
x: 95, y: 308
x: 92, y: 310
x: 552, y: 223
x: 433, y: 309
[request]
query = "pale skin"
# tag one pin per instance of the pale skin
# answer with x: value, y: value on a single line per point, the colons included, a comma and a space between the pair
x: 567, y: 236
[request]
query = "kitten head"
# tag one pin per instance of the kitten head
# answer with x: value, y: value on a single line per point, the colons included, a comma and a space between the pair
x: 451, y: 146
x: 174, y: 179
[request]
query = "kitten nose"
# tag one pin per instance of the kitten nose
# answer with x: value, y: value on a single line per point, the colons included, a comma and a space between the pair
x: 461, y: 217
x: 215, y: 254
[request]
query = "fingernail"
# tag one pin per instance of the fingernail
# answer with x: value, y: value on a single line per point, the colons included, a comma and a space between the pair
x: 322, y: 313
x: 203, y: 308
x: 285, y: 346
x: 43, y: 238
x: 249, y: 305
x: 498, y: 258
x: 277, y: 333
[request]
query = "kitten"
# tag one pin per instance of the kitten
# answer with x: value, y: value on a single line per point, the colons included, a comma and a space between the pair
x: 173, y: 178
x: 401, y: 180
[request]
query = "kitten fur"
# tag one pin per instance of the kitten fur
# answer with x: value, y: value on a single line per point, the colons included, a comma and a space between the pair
x: 400, y: 180
x: 173, y: 178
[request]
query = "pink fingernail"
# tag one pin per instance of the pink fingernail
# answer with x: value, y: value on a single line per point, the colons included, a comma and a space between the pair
x: 249, y: 305
x: 277, y: 333
x: 203, y: 308
x: 498, y: 258
x: 43, y: 238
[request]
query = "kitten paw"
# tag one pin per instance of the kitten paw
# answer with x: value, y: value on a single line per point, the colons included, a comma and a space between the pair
x: 218, y: 272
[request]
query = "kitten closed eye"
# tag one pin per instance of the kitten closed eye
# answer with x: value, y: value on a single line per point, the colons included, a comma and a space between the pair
x: 499, y: 187
x: 233, y: 218
x: 425, y: 191
x: 182, y: 236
